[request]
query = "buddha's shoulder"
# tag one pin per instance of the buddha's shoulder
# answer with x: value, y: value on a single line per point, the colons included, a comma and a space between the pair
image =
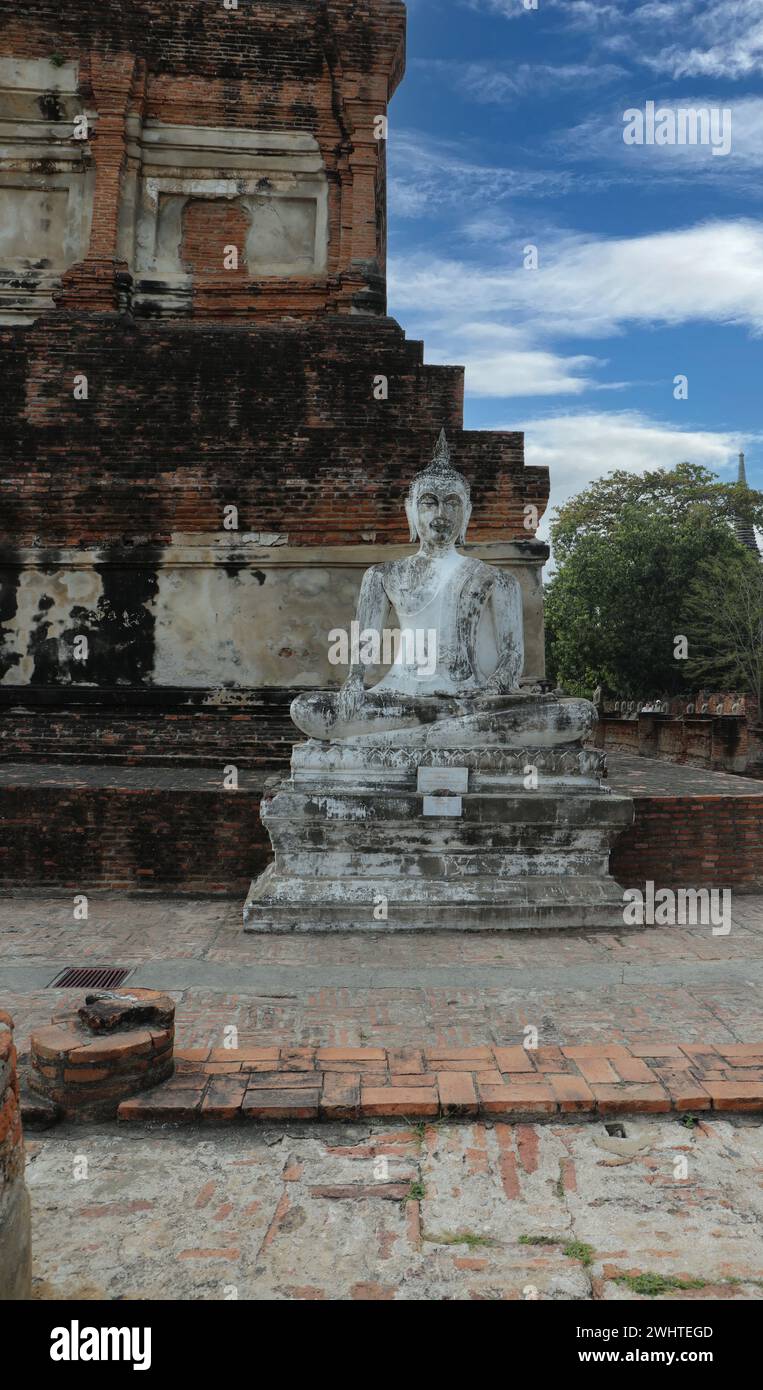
x: 379, y: 573
x: 478, y: 572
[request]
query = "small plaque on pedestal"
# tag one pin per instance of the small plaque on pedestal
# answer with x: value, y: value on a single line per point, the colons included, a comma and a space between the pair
x: 443, y: 788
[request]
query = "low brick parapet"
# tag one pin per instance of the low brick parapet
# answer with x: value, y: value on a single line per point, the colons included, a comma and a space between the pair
x: 143, y: 828
x: 102, y: 826
x: 510, y: 1083
x: 91, y: 1059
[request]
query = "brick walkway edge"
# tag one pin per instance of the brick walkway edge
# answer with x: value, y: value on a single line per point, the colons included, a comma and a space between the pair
x: 331, y: 1083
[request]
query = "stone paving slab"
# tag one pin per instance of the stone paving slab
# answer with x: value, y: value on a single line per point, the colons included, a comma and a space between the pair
x: 393, y: 1211
x: 136, y: 929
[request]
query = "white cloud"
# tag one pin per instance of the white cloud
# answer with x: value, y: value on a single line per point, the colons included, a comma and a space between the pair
x: 428, y: 174
x: 592, y: 286
x: 716, y: 38
x: 601, y: 137
x: 490, y: 82
x: 502, y: 361
x: 719, y: 40
x: 581, y: 447
x: 577, y: 13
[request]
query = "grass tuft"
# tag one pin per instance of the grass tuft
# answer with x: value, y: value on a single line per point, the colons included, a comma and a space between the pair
x: 654, y: 1284
x: 578, y: 1250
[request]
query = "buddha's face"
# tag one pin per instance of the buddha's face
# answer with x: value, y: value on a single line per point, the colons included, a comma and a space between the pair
x: 439, y: 516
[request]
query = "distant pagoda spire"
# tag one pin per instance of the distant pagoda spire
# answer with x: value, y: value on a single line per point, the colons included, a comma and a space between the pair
x: 744, y: 531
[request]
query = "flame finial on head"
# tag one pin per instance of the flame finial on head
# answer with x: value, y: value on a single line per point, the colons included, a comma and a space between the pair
x: 440, y: 471
x: 441, y: 457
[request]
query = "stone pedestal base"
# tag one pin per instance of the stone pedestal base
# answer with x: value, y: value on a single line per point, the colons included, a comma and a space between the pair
x: 363, y: 841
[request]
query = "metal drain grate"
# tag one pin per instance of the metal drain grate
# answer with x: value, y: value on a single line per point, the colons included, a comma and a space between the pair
x: 91, y: 977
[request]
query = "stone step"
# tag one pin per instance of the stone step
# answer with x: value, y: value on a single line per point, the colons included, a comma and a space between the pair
x: 279, y: 902
x: 537, y: 808
x: 481, y: 917
x: 439, y: 836
x: 277, y: 887
x: 427, y: 863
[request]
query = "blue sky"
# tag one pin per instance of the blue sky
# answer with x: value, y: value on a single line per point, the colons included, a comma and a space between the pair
x: 508, y: 131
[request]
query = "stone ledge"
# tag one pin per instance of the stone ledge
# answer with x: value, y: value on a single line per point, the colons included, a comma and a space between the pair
x: 314, y: 1083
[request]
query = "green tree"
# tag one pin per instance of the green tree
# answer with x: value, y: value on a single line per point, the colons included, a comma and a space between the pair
x: 724, y: 623
x: 628, y: 550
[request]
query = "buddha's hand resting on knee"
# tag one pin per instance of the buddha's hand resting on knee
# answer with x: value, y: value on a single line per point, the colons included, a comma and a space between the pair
x: 350, y: 697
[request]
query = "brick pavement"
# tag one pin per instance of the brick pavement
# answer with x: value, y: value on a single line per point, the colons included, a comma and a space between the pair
x: 639, y: 988
x: 653, y: 777
x: 514, y: 1083
x: 397, y: 1211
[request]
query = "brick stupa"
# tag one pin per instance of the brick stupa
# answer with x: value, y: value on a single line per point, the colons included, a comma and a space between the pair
x: 198, y: 463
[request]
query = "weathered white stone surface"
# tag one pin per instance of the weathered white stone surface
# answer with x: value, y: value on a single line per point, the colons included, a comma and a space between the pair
x: 358, y: 838
x: 44, y: 218
x: 377, y: 763
x: 245, y: 609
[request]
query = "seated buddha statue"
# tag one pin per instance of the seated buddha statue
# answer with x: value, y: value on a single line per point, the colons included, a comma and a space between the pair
x: 467, y: 692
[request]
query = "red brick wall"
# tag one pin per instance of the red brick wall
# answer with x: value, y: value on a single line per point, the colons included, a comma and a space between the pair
x: 698, y: 841
x: 188, y: 839
x: 181, y: 420
x: 713, y: 741
x: 188, y: 835
x: 251, y: 54
x: 209, y: 227
x: 327, y: 67
x: 11, y: 1146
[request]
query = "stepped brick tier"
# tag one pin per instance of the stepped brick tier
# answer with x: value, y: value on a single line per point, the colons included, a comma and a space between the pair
x: 114, y: 509
x: 269, y: 1084
x: 148, y: 727
x: 15, y: 1233
x: 92, y: 1058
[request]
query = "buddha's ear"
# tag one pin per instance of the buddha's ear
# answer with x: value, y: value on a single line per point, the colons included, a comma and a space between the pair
x: 411, y: 515
x: 465, y: 526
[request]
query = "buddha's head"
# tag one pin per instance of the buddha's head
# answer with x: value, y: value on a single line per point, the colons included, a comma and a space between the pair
x: 438, y: 505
